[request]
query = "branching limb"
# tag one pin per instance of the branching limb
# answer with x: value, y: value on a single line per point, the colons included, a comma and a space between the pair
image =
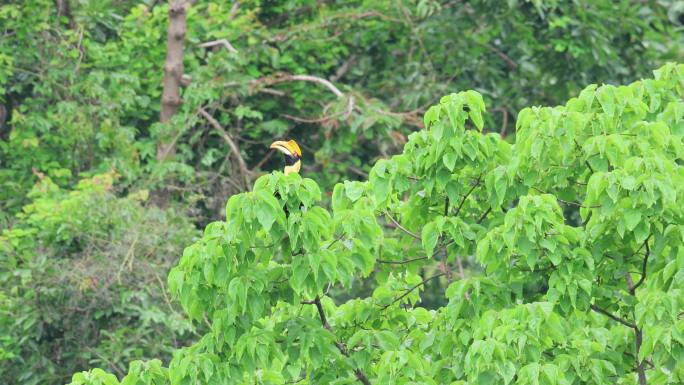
x: 306, y: 78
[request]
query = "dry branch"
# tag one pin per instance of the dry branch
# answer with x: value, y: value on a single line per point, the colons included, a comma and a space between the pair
x: 231, y: 143
x: 220, y: 42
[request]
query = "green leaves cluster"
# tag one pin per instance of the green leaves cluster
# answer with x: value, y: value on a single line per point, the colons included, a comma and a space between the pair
x: 576, y: 227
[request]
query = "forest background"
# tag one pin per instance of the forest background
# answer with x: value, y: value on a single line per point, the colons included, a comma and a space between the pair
x: 100, y: 191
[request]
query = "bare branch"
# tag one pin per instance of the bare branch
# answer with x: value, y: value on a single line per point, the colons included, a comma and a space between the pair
x: 643, y: 266
x: 272, y: 91
x: 344, y: 68
x: 233, y: 147
x: 400, y: 262
x: 402, y: 228
x: 504, y: 120
x: 306, y: 78
x: 460, y: 206
x: 220, y: 42
x: 426, y: 280
x: 513, y: 65
x: 613, y: 317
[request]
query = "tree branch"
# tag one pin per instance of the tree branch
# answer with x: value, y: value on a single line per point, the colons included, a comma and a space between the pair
x: 426, y: 280
x: 564, y: 201
x: 400, y: 262
x: 613, y: 317
x: 360, y: 375
x: 643, y: 267
x: 307, y: 78
x: 402, y: 228
x: 460, y: 206
x: 233, y: 147
x: 482, y: 218
x: 220, y: 42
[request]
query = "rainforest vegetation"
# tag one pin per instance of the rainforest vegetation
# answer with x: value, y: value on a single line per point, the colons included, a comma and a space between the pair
x: 479, y: 192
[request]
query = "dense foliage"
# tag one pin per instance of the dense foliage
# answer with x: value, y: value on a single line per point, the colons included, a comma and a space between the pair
x: 81, y: 91
x: 86, y: 245
x: 576, y: 226
x: 81, y: 284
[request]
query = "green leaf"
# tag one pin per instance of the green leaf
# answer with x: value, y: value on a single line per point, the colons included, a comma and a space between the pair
x: 387, y: 340
x: 429, y: 237
x: 354, y: 190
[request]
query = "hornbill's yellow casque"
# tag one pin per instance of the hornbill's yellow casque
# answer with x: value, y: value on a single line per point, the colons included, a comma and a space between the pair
x: 293, y: 154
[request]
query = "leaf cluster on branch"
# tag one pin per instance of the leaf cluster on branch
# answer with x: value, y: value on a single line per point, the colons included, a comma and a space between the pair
x: 576, y: 226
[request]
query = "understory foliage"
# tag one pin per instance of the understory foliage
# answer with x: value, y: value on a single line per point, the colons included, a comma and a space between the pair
x: 576, y: 226
x: 80, y: 283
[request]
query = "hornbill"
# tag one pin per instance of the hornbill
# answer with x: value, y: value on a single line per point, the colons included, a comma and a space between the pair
x: 293, y: 154
x: 293, y: 163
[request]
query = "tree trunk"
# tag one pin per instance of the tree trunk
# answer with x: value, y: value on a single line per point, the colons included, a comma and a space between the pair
x: 173, y: 71
x: 64, y: 9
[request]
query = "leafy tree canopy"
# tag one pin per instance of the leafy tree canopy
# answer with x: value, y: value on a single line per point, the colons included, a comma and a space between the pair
x: 576, y: 226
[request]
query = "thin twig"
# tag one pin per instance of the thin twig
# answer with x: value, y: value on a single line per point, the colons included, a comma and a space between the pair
x: 482, y: 218
x: 504, y: 120
x: 233, y: 147
x: 307, y: 78
x: 220, y: 42
x: 589, y: 166
x: 566, y: 202
x: 613, y: 317
x: 400, y: 262
x: 461, y: 272
x: 402, y: 228
x: 412, y: 289
x: 460, y: 206
x: 513, y: 65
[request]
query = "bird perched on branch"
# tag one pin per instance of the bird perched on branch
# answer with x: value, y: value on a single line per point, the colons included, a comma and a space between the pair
x: 293, y: 162
x: 292, y: 152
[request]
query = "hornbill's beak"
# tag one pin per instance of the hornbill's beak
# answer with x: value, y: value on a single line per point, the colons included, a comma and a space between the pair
x: 288, y: 148
x: 292, y: 153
